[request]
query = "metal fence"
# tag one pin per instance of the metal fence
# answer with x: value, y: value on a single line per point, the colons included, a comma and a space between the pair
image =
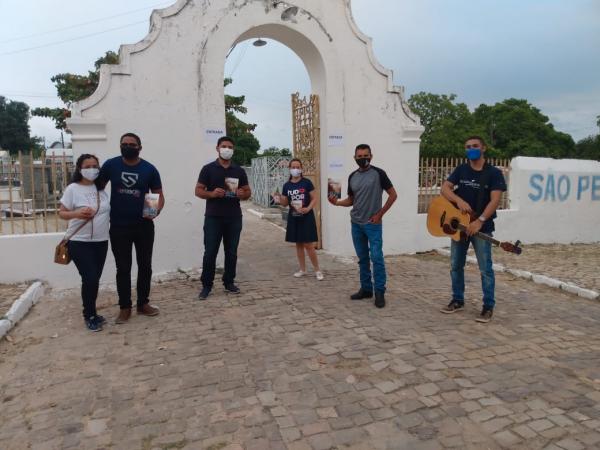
x: 267, y: 175
x: 30, y: 192
x: 434, y: 171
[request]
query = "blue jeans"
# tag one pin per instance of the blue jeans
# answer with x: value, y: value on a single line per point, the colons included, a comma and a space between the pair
x: 217, y: 229
x: 458, y: 256
x: 368, y: 243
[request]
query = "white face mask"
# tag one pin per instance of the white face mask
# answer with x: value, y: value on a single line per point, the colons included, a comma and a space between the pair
x: 90, y: 174
x: 226, y: 153
x: 295, y: 172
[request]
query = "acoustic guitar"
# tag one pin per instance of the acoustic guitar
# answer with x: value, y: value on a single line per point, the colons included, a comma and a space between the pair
x: 445, y: 219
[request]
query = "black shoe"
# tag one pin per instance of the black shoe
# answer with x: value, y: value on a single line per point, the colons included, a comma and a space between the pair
x: 93, y: 324
x: 361, y: 294
x: 204, y: 293
x: 232, y: 288
x: 380, y: 299
x: 101, y: 320
x: 452, y: 307
x: 486, y: 315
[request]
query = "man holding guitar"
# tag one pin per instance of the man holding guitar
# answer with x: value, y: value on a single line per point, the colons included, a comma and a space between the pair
x: 476, y: 188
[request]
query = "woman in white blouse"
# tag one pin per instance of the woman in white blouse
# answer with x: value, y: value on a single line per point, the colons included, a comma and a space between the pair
x: 86, y: 206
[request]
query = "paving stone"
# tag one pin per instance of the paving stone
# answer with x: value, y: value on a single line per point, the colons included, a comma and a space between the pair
x: 540, y: 425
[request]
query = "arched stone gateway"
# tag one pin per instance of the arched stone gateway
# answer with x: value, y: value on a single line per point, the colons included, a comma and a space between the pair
x: 168, y: 88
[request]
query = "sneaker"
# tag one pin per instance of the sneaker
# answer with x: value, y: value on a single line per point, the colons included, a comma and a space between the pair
x: 93, y: 324
x: 361, y: 294
x: 379, y: 299
x: 204, y: 293
x: 232, y: 288
x: 319, y: 275
x: 124, y: 316
x: 453, y: 307
x: 147, y: 310
x: 485, y: 316
x: 100, y: 319
x: 300, y: 274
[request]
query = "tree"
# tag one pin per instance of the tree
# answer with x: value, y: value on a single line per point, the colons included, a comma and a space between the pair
x: 516, y: 128
x: 276, y: 151
x: 246, y: 144
x: 72, y: 88
x: 446, y: 123
x: 14, y: 126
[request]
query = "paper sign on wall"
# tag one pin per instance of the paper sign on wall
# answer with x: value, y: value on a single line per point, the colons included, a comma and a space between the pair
x: 335, y: 139
x: 212, y: 135
x: 336, y: 165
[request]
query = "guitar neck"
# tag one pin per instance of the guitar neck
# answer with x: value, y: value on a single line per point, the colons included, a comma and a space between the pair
x: 480, y: 235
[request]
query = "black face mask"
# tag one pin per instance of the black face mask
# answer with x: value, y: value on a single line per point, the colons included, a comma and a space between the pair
x: 129, y: 153
x: 363, y: 162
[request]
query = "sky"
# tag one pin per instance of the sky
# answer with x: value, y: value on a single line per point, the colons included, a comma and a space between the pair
x: 484, y: 51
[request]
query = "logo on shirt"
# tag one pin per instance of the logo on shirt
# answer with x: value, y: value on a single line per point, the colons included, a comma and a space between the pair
x: 129, y: 179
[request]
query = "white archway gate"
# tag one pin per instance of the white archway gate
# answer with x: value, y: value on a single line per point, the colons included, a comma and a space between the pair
x: 168, y: 88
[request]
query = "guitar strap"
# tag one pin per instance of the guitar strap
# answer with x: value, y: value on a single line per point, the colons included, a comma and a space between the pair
x: 483, y: 182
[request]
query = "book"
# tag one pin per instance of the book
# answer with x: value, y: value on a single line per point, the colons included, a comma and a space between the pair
x: 295, y: 206
x: 334, y: 188
x: 150, y: 206
x: 231, y: 187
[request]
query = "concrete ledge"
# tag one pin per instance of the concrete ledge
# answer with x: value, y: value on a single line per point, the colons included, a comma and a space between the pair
x: 21, y: 307
x: 539, y: 279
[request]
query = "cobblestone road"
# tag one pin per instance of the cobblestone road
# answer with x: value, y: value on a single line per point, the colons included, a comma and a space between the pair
x: 293, y: 364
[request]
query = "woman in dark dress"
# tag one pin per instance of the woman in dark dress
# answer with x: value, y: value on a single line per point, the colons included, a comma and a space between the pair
x: 299, y: 193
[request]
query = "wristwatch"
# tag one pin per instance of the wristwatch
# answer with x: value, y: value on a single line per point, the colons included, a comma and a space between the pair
x: 482, y: 218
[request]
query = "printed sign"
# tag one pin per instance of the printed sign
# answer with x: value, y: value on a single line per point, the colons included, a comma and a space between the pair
x: 335, y: 139
x: 212, y: 135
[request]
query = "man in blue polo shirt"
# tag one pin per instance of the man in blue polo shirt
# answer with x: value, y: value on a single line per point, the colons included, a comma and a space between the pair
x: 222, y: 184
x: 474, y: 187
x: 131, y: 178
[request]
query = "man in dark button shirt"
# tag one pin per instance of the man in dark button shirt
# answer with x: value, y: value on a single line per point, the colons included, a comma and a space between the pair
x: 479, y: 188
x: 222, y: 184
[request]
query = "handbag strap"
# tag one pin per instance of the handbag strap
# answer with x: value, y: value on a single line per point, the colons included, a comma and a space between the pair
x: 78, y: 229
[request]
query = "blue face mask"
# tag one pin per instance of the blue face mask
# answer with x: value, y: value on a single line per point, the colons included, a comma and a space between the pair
x: 473, y: 154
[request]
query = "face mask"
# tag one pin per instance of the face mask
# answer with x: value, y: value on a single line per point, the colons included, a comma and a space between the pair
x: 295, y: 172
x: 363, y: 162
x: 90, y: 174
x: 473, y: 154
x: 129, y: 152
x: 226, y: 153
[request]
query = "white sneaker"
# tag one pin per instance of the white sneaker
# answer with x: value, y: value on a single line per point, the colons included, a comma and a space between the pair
x: 299, y: 274
x: 319, y: 275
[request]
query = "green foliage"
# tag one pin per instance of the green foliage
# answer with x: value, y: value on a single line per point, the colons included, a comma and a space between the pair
x: 72, y: 88
x: 446, y: 124
x: 276, y: 151
x: 14, y: 127
x: 246, y: 144
x: 511, y: 128
x: 588, y: 148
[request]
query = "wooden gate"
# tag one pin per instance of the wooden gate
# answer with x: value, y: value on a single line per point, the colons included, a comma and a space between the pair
x: 306, y: 122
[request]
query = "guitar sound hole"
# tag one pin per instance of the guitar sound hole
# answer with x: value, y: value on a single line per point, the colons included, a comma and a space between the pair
x: 454, y: 223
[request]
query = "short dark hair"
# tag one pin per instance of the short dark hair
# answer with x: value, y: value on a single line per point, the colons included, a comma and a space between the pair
x: 476, y: 137
x: 362, y: 147
x: 224, y: 139
x: 133, y: 135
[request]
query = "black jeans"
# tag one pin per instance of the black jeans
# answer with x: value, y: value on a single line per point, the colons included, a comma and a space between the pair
x: 89, y: 258
x: 216, y: 229
x: 121, y: 240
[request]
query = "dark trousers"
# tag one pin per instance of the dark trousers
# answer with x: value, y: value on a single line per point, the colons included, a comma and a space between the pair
x: 89, y: 258
x: 122, y: 238
x: 227, y: 229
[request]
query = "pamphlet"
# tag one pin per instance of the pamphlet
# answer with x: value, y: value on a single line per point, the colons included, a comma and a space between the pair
x: 151, y: 206
x: 231, y: 187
